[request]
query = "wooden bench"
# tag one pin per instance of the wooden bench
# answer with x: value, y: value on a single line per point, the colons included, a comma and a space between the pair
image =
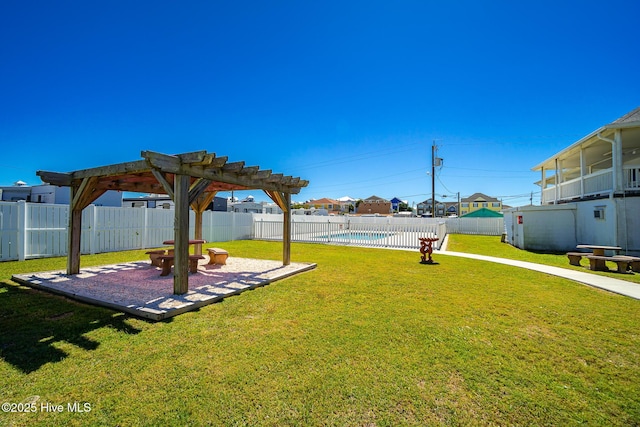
x: 153, y: 256
x: 576, y: 257
x: 217, y: 256
x: 598, y: 262
x: 168, y: 260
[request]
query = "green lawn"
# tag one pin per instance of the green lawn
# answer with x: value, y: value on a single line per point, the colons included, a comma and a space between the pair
x: 370, y: 337
x: 491, y: 245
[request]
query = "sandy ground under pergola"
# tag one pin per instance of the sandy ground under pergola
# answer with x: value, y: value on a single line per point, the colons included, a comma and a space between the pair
x: 137, y: 287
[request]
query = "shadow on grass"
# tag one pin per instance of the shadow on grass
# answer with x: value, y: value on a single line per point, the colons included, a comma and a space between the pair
x: 33, y: 322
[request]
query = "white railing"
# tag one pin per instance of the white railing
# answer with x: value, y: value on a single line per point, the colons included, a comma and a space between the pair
x: 35, y: 230
x: 596, y: 183
x: 548, y: 195
x: 570, y: 189
x: 599, y: 182
x: 632, y: 178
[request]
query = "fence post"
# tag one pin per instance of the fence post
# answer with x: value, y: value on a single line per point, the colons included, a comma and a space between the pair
x: 233, y: 226
x: 145, y: 224
x: 93, y: 220
x: 22, y: 230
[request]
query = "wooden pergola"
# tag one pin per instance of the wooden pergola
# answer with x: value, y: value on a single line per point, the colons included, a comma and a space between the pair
x: 190, y: 179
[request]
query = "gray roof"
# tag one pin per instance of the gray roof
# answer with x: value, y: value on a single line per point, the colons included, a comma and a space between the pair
x: 629, y: 120
x: 476, y: 196
x: 374, y: 198
x: 631, y: 117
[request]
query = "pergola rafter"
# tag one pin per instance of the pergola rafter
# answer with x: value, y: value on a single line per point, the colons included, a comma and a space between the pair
x: 190, y: 179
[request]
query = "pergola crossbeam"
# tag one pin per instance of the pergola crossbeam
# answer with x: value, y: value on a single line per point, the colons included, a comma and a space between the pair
x: 197, y: 189
x: 164, y: 182
x: 233, y: 167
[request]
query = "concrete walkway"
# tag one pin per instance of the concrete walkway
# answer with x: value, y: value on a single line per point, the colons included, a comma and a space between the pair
x: 618, y: 286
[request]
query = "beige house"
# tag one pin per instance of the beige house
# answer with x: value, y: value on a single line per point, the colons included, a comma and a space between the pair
x: 330, y: 205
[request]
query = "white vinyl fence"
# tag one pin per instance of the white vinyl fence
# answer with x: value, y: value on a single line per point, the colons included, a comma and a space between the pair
x: 37, y: 230
x: 384, y: 232
x: 373, y: 231
x: 347, y: 232
x: 484, y: 226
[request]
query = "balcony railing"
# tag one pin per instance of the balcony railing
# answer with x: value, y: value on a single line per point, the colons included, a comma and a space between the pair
x: 632, y: 178
x: 593, y: 184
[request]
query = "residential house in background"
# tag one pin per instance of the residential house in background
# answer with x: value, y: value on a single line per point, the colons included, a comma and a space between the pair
x: 271, y: 208
x: 47, y: 193
x: 156, y: 201
x: 374, y: 205
x: 395, y: 204
x: 424, y: 208
x: 451, y: 208
x: 590, y: 193
x: 331, y: 205
x: 246, y: 205
x: 478, y: 201
x: 152, y: 201
x: 18, y: 191
x: 347, y: 204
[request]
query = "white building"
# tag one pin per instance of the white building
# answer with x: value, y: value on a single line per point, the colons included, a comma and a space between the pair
x: 250, y: 206
x: 590, y: 194
x: 152, y: 201
x: 46, y: 193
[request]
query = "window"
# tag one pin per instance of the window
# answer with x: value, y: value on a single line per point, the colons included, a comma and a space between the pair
x: 485, y: 205
x: 495, y: 204
x: 475, y: 204
x: 465, y: 204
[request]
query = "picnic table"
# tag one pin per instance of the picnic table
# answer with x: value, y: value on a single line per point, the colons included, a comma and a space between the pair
x: 165, y: 258
x: 598, y: 259
x: 598, y: 249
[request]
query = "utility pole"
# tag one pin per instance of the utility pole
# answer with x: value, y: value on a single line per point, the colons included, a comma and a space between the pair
x: 433, y: 179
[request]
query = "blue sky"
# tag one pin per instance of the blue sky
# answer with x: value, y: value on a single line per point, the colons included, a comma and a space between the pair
x: 349, y: 95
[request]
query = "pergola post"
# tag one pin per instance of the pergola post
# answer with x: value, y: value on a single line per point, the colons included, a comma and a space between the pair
x: 181, y: 235
x: 286, y: 230
x: 80, y: 197
x: 199, y: 206
x: 283, y: 200
x: 73, y: 243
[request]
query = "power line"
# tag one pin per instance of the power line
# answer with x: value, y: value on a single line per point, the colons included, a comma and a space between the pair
x: 361, y: 156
